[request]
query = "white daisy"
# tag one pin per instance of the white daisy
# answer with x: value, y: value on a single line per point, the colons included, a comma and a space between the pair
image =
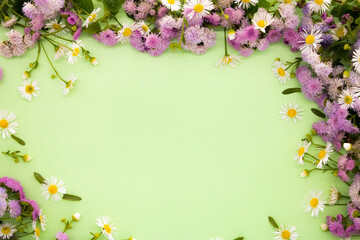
x: 280, y: 72
x: 91, y: 17
x: 29, y: 89
x: 287, y: 2
x: 36, y: 231
x: 75, y: 51
x: 287, y: 232
x: 58, y: 28
x: 52, y: 188
x: 142, y: 28
x: 59, y: 52
x: 198, y: 8
x: 334, y: 195
x: 8, y: 126
x: 7, y: 230
x: 314, y: 203
x: 69, y: 84
x: 311, y: 41
x: 291, y: 111
x: 173, y: 5
x: 356, y: 60
x: 346, y: 99
x: 262, y: 19
x: 42, y: 219
x: 319, y: 6
x: 246, y: 3
x: 233, y: 61
x: 324, y: 155
x: 107, y: 227
x: 302, y: 148
x: 124, y: 34
x: 339, y: 32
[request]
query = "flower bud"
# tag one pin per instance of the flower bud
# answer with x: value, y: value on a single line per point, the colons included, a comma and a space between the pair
x: 231, y: 34
x: 324, y: 226
x: 305, y: 173
x: 26, y: 75
x: 93, y: 61
x: 347, y: 47
x: 63, y: 220
x: 131, y: 238
x: 347, y: 146
x: 346, y: 74
x: 16, y: 160
x: 19, y: 218
x: 292, y: 75
x: 26, y: 158
x: 226, y: 16
x: 76, y: 216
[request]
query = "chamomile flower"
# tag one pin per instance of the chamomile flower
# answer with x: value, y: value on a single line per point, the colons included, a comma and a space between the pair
x: 75, y: 51
x: 356, y: 60
x: 262, y: 19
x: 324, y: 155
x: 311, y: 41
x: 291, y: 111
x: 8, y: 125
x: 198, y: 8
x: 52, y: 188
x: 302, y: 148
x: 334, y: 195
x: 29, y: 89
x: 339, y: 32
x: 231, y: 34
x: 42, y: 220
x: 346, y: 99
x: 246, y: 3
x: 69, y: 84
x: 91, y: 17
x: 314, y: 203
x: 233, y: 61
x: 173, y: 5
x: 319, y: 6
x: 287, y: 2
x: 280, y: 72
x: 142, y: 28
x: 125, y: 32
x: 59, y: 52
x: 7, y: 230
x: 107, y: 227
x: 36, y: 230
x: 286, y: 232
x: 58, y: 28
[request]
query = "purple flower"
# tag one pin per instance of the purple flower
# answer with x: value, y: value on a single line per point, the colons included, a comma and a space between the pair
x: 72, y: 19
x: 199, y: 39
x: 138, y: 41
x: 337, y: 228
x: 1, y: 78
x: 61, y: 236
x: 3, y: 206
x: 14, y: 208
x: 251, y: 34
x: 274, y: 36
x: 35, y: 206
x: 107, y: 37
x: 345, y: 165
x: 37, y: 22
x: 3, y: 193
x: 130, y: 7
x: 312, y: 88
x: 213, y: 18
x: 246, y: 52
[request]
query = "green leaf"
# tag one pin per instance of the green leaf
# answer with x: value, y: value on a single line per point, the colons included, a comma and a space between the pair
x: 318, y: 113
x: 239, y: 238
x: 113, y: 6
x: 341, y: 9
x: 17, y: 6
x: 18, y: 140
x: 39, y: 178
x: 71, y: 197
x: 93, y: 28
x: 291, y: 90
x: 272, y: 222
x: 263, y: 4
x: 87, y: 5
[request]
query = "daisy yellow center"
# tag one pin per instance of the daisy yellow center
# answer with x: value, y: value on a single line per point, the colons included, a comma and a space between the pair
x: 53, y: 189
x: 348, y: 99
x: 287, y: 1
x: 127, y: 32
x: 145, y: 28
x: 75, y: 52
x: 69, y: 84
x: 4, y: 123
x: 56, y: 26
x: 5, y: 230
x: 285, y: 234
x: 261, y: 23
x: 310, y: 39
x: 322, y: 154
x: 37, y: 231
x: 291, y: 113
x: 301, y: 151
x: 245, y: 1
x: 228, y: 60
x: 281, y: 72
x: 29, y: 89
x: 340, y: 32
x: 199, y: 8
x: 314, y: 202
x: 171, y: 1
x: 107, y: 228
x: 319, y: 2
x: 92, y: 17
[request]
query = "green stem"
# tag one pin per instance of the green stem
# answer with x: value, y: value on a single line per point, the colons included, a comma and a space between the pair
x: 51, y: 63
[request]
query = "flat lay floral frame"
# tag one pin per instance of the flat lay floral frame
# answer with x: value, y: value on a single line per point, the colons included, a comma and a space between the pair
x: 325, y: 33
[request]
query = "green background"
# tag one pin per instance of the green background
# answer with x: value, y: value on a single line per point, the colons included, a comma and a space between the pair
x: 169, y: 147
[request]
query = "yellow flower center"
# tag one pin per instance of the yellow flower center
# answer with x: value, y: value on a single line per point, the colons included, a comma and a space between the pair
x: 245, y: 1
x: 319, y: 2
x: 29, y: 89
x: 310, y: 39
x: 348, y: 99
x: 69, y: 84
x: 198, y: 8
x: 4, y: 123
x: 287, y: 1
x: 285, y: 234
x: 281, y: 72
x: 301, y: 151
x: 127, y: 32
x: 37, y: 231
x: 145, y: 28
x: 92, y: 17
x: 171, y: 1
x: 56, y: 26
x: 314, y: 202
x: 340, y: 32
x: 228, y: 59
x: 107, y: 228
x: 53, y: 189
x: 5, y: 230
x: 322, y: 154
x: 291, y: 113
x: 75, y: 52
x: 261, y: 23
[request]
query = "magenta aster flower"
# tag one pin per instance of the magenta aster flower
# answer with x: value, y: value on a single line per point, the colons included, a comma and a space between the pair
x: 14, y: 208
x: 107, y: 37
x: 61, y: 236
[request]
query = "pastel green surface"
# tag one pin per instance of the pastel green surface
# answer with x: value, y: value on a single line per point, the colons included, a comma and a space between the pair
x: 169, y: 147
